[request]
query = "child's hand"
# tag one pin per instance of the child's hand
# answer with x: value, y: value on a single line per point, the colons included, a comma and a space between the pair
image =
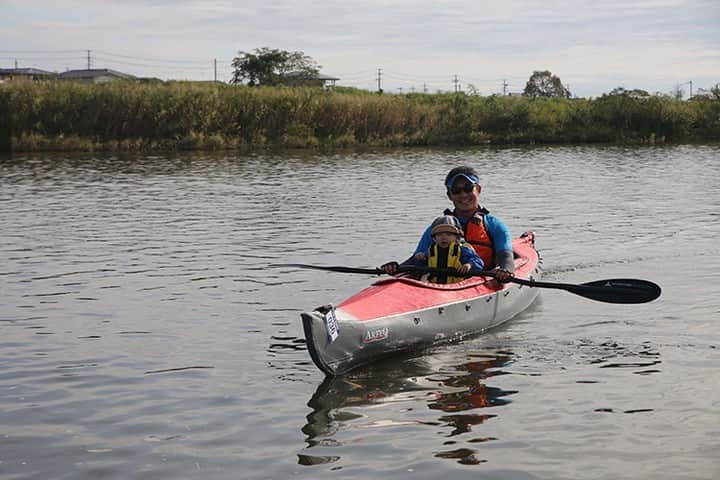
x: 390, y: 268
x: 420, y: 256
x: 465, y: 268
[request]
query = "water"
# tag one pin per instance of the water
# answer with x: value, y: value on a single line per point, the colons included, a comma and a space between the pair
x: 143, y: 335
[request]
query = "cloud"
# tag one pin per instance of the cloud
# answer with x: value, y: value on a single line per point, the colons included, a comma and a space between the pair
x: 416, y: 42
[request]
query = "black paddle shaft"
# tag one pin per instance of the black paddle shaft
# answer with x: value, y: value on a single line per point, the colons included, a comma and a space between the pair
x: 379, y: 271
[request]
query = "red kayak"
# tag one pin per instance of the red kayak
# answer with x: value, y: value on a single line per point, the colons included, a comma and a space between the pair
x: 403, y: 313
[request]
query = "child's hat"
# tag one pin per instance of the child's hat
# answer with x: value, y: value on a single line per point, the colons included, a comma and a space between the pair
x: 446, y: 223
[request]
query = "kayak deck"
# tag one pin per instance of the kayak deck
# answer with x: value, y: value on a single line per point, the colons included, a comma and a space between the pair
x: 402, y: 313
x: 402, y: 294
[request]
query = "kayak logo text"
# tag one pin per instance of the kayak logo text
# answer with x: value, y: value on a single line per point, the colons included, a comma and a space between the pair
x: 331, y: 326
x: 376, y: 335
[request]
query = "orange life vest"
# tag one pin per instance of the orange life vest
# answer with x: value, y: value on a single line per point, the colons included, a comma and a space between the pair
x: 476, y: 235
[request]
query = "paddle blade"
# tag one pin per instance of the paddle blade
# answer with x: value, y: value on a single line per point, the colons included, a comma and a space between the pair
x: 619, y: 290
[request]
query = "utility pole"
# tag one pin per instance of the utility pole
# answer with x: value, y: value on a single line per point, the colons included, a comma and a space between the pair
x: 215, y: 65
x: 379, y: 80
x: 505, y: 85
x: 424, y: 87
x: 455, y: 82
x: 679, y: 89
x: 16, y: 64
x: 88, y: 60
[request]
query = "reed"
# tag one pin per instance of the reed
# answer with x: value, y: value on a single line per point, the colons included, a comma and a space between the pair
x: 186, y: 115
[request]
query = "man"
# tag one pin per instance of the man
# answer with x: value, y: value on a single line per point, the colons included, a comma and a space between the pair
x: 487, y: 234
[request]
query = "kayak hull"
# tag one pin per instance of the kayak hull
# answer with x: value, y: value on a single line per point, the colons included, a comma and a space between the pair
x: 402, y: 314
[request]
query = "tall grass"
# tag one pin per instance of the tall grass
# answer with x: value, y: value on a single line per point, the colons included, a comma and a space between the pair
x: 177, y: 115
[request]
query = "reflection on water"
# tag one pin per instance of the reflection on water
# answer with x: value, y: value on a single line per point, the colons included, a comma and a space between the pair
x: 450, y: 397
x: 459, y: 392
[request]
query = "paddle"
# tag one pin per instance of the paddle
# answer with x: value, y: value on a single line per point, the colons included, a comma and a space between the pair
x: 371, y: 271
x: 616, y: 290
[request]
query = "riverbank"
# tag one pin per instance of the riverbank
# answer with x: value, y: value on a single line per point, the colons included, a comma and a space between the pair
x: 123, y: 116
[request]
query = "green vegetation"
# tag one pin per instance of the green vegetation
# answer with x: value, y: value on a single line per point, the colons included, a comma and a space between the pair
x: 122, y: 116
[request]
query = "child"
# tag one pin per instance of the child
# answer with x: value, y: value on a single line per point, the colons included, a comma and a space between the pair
x: 448, y: 250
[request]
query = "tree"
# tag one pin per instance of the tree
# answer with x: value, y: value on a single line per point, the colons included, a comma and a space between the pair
x: 270, y: 66
x: 545, y: 84
x: 678, y: 92
x: 634, y: 93
x: 472, y: 90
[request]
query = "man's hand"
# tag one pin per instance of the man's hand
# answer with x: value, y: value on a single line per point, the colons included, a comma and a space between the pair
x: 502, y: 275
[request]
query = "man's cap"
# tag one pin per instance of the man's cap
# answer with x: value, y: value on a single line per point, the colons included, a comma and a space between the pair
x: 467, y: 176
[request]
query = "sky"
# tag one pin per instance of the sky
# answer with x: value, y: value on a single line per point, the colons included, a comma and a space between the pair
x: 489, y: 47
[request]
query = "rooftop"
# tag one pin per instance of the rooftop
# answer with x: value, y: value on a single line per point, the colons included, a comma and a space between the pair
x: 25, y: 71
x: 95, y: 72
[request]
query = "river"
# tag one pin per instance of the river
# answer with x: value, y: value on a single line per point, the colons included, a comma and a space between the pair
x: 144, y: 334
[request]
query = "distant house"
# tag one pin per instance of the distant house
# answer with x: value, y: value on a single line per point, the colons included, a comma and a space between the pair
x: 327, y: 80
x: 8, y: 74
x: 298, y: 79
x: 95, y: 75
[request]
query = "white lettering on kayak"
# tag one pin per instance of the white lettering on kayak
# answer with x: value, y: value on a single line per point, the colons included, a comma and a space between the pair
x: 376, y: 335
x: 331, y: 325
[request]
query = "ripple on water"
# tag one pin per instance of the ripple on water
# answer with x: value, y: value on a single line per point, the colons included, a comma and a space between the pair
x: 143, y: 332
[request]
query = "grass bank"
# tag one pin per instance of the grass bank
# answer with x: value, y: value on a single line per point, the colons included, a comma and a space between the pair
x: 123, y: 116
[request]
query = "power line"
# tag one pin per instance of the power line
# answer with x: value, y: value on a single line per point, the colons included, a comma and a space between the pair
x: 41, y: 51
x: 43, y: 57
x: 356, y: 74
x: 154, y: 59
x: 415, y: 78
x: 163, y: 67
x: 90, y: 57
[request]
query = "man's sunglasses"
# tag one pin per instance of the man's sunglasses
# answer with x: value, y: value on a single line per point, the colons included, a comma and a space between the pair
x: 467, y: 189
